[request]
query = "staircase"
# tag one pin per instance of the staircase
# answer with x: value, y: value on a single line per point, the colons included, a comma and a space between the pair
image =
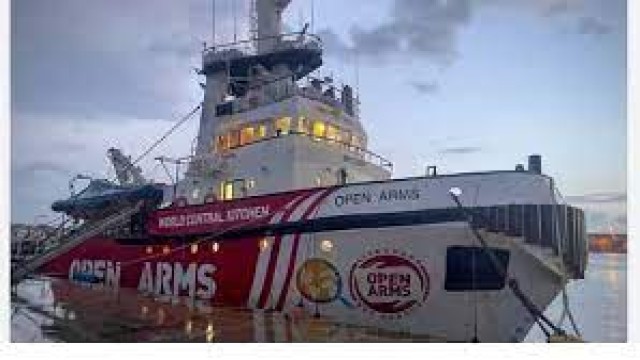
x: 70, y: 240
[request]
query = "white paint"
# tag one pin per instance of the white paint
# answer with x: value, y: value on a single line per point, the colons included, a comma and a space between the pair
x: 184, y: 279
x: 205, y: 278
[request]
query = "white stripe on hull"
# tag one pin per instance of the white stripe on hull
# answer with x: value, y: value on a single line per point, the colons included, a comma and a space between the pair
x: 263, y: 259
x: 284, y: 254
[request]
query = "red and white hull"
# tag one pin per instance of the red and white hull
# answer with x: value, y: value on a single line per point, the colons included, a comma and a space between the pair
x: 391, y: 255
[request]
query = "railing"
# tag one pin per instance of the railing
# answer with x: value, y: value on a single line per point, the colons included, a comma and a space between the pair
x: 234, y: 50
x: 361, y: 153
x: 281, y: 93
x: 70, y: 240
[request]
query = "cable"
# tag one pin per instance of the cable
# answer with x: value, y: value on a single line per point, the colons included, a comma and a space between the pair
x: 166, y: 134
x: 512, y: 283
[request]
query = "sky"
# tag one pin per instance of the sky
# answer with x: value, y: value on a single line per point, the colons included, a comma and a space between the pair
x: 464, y: 85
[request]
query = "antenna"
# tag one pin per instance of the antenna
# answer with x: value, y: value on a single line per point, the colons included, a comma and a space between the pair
x: 213, y: 22
x: 357, y: 70
x: 253, y: 20
x: 235, y: 20
x: 313, y: 22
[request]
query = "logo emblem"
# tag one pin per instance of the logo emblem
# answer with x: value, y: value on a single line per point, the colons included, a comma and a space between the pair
x: 319, y: 282
x: 389, y: 283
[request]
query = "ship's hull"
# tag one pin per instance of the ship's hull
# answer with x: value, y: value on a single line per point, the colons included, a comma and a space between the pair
x: 413, y: 268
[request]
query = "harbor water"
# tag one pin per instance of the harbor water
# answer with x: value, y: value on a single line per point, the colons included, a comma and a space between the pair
x: 57, y: 311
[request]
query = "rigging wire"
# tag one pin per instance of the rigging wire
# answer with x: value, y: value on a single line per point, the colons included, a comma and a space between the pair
x: 166, y: 134
x: 538, y: 315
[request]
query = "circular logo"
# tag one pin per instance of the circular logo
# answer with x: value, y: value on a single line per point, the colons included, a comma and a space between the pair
x: 389, y: 282
x: 318, y: 281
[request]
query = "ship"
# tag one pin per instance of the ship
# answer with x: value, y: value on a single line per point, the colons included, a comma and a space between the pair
x: 282, y: 208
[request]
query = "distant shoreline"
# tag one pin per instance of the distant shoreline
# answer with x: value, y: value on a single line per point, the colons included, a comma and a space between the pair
x: 608, y: 243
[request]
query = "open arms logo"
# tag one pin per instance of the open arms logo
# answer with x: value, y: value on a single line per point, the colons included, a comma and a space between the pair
x: 389, y: 283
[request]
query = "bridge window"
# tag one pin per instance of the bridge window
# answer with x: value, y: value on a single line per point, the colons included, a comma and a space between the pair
x: 284, y: 125
x: 332, y: 132
x: 319, y: 129
x: 262, y: 131
x: 302, y: 126
x: 247, y: 135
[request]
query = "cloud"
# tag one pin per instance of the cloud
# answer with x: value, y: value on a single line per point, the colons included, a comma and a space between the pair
x: 423, y: 28
x: 429, y: 29
x: 588, y: 25
x: 31, y: 170
x: 460, y: 150
x: 107, y: 59
x: 598, y: 198
x: 425, y: 87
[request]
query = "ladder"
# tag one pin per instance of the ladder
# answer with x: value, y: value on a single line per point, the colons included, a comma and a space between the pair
x: 71, y: 240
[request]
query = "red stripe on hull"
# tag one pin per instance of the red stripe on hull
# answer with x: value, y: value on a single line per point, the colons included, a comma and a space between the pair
x: 273, y: 259
x: 294, y: 250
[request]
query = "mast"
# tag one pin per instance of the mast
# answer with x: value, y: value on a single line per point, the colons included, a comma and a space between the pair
x: 269, y: 19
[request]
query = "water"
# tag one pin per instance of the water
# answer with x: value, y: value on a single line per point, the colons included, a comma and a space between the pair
x: 598, y: 303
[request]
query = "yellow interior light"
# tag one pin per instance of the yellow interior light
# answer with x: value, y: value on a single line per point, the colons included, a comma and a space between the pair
x: 283, y: 124
x: 319, y: 129
x: 247, y: 135
x: 332, y: 132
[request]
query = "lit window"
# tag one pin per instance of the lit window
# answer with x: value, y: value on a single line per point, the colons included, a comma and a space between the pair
x: 302, y: 126
x: 196, y: 193
x: 228, y: 191
x: 194, y: 248
x: 318, y: 129
x: 332, y: 132
x: 284, y: 125
x: 262, y: 131
x: 251, y: 183
x: 247, y: 135
x: 215, y: 247
x: 149, y: 250
x: 326, y: 245
x: 346, y: 138
x: 166, y: 250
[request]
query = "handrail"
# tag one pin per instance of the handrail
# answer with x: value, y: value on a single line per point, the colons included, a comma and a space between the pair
x: 69, y: 241
x: 251, y: 42
x: 245, y: 104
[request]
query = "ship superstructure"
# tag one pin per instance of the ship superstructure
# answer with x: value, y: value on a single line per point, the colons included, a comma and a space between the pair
x: 283, y: 208
x: 267, y: 126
